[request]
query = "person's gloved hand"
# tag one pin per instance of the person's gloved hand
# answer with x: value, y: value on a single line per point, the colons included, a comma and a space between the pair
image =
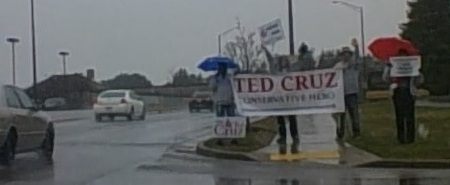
x: 392, y: 87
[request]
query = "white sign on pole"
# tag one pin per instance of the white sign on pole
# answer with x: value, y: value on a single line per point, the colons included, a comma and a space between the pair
x: 272, y: 32
x: 297, y: 93
x: 230, y: 127
x: 405, y: 66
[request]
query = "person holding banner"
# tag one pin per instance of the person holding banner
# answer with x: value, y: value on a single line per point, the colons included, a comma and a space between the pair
x: 281, y: 66
x: 351, y: 69
x: 403, y: 91
x: 284, y: 67
x: 305, y: 60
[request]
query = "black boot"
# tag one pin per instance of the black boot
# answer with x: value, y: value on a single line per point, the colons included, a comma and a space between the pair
x: 283, y: 149
x: 281, y: 141
x: 295, y: 144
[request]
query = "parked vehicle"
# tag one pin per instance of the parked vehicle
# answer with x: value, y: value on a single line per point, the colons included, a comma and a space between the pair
x: 201, y: 100
x: 22, y: 126
x: 124, y: 103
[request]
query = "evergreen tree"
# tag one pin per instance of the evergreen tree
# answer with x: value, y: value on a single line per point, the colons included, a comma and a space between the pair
x: 427, y: 29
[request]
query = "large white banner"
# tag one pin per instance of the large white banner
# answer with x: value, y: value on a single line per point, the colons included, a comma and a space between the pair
x: 309, y: 92
x: 405, y: 66
x: 230, y: 127
x: 271, y: 33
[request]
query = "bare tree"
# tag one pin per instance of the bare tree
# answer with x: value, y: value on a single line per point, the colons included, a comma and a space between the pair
x: 245, y: 51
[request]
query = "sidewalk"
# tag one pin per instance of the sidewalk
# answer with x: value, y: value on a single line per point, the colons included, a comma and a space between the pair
x: 317, y: 141
x: 318, y: 144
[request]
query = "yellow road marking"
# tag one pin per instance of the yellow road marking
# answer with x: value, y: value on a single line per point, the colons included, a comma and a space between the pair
x: 305, y: 155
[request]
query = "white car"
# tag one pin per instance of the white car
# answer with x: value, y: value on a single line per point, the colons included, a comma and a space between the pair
x: 126, y: 103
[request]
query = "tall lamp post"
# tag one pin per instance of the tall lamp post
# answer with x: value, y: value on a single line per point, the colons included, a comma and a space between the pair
x: 360, y: 10
x: 13, y: 42
x: 64, y: 55
x: 291, y: 28
x: 33, y: 46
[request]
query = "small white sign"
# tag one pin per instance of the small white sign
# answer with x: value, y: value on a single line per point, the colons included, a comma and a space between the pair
x: 230, y: 127
x: 272, y: 32
x: 405, y: 66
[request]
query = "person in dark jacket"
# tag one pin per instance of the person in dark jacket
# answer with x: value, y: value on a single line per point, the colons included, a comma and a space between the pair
x: 305, y: 61
x: 403, y: 91
x: 281, y: 66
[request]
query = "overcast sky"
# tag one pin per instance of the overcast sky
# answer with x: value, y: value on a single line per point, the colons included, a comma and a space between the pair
x: 154, y: 37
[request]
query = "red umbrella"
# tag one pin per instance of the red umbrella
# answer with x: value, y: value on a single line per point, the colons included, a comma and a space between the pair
x: 385, y: 48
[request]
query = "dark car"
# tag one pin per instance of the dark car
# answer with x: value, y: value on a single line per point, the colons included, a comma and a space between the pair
x: 201, y: 100
x: 57, y: 103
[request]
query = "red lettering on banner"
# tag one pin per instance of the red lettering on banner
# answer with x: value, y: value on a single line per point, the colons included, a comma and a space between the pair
x: 287, y: 83
x: 331, y: 81
x: 252, y: 85
x: 283, y: 83
x: 266, y: 84
x: 301, y: 82
x: 313, y: 81
x: 239, y: 84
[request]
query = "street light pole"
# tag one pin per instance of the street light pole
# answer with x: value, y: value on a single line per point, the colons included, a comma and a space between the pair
x: 360, y: 10
x: 291, y: 28
x: 219, y: 38
x: 33, y: 45
x: 13, y: 42
x: 363, y: 37
x: 64, y: 54
x: 220, y: 43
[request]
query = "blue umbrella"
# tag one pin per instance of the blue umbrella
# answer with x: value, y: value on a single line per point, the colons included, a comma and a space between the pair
x: 212, y: 63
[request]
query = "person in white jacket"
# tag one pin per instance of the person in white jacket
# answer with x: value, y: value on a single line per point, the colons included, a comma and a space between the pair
x: 221, y: 84
x: 351, y: 66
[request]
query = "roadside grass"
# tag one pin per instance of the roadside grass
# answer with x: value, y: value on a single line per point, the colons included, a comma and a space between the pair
x: 380, y: 95
x: 379, y: 133
x: 260, y: 135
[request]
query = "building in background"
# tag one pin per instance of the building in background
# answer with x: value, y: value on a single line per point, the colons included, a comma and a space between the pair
x: 78, y: 91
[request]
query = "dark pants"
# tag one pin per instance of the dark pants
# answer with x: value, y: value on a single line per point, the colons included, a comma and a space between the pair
x: 404, y: 104
x: 292, y: 128
x: 352, y: 107
x: 225, y: 111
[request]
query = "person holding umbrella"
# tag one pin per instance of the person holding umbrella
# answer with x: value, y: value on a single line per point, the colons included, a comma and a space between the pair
x: 403, y: 91
x: 221, y: 83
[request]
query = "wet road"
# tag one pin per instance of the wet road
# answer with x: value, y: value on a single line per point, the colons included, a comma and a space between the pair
x: 160, y: 149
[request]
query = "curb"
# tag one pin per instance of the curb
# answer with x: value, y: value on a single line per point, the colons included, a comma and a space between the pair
x: 222, y: 154
x: 415, y: 164
x: 400, y: 163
